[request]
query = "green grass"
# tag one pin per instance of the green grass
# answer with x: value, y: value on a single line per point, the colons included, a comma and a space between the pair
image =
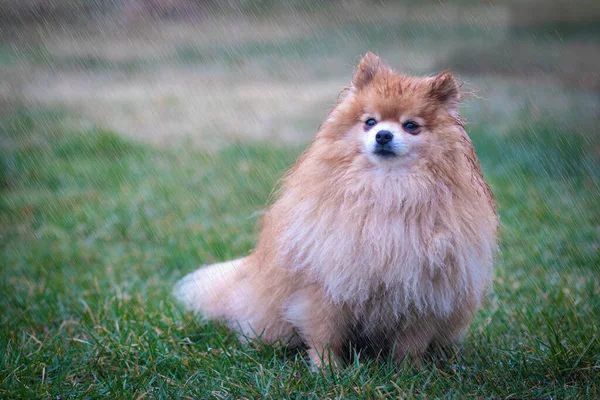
x: 97, y: 229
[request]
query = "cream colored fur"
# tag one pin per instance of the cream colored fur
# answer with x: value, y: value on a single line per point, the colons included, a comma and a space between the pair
x: 397, y: 248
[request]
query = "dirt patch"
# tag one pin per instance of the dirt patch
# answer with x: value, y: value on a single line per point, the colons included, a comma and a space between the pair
x: 167, y: 105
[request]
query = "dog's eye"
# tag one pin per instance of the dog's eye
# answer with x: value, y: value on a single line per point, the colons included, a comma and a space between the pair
x: 370, y: 122
x: 411, y: 127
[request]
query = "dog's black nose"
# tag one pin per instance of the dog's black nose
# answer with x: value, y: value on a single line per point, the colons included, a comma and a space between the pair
x: 384, y: 137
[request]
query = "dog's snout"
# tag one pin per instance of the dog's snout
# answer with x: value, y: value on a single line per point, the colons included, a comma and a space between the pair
x: 384, y: 137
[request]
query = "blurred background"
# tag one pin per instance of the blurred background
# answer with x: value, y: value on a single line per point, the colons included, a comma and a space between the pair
x: 214, y: 71
x: 141, y: 138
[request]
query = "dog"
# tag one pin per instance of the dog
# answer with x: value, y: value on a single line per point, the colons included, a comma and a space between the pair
x: 382, y: 235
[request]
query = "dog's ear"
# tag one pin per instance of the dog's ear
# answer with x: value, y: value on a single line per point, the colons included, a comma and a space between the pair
x: 445, y: 89
x: 366, y: 70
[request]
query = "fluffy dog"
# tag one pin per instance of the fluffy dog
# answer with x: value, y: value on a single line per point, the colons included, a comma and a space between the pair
x: 382, y: 236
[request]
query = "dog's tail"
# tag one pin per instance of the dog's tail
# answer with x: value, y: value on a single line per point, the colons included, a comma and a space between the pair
x: 210, y: 290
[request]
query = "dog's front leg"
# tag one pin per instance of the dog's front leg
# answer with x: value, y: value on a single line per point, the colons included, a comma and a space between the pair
x: 322, y: 325
x: 412, y: 341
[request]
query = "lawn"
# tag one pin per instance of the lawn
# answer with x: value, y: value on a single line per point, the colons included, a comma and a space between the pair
x: 96, y: 227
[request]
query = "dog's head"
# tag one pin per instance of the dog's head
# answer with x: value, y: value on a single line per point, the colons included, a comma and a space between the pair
x: 392, y: 120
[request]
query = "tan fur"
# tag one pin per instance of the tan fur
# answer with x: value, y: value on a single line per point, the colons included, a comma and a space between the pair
x: 398, y: 252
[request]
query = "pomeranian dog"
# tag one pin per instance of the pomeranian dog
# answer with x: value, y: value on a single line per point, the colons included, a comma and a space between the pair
x: 382, y: 236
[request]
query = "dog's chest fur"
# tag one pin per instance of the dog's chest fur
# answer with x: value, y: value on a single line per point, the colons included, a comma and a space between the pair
x: 382, y: 240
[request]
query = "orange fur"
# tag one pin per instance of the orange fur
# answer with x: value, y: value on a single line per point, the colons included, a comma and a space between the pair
x: 360, y: 249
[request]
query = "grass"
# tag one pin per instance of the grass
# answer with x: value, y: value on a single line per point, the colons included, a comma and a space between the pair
x: 344, y: 37
x: 97, y: 229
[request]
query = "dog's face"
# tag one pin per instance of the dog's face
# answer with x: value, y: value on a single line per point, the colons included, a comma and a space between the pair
x: 389, y: 138
x: 392, y: 120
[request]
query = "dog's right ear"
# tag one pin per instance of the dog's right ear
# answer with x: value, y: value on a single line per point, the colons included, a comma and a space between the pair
x: 366, y: 70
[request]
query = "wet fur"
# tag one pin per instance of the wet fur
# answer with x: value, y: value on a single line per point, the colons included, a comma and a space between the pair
x: 390, y: 256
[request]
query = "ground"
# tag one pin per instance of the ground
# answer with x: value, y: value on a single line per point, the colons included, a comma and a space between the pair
x: 129, y: 157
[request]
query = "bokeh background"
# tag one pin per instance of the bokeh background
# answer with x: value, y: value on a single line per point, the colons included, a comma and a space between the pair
x: 140, y: 139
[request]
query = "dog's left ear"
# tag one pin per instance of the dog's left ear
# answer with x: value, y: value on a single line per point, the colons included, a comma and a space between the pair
x: 446, y: 90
